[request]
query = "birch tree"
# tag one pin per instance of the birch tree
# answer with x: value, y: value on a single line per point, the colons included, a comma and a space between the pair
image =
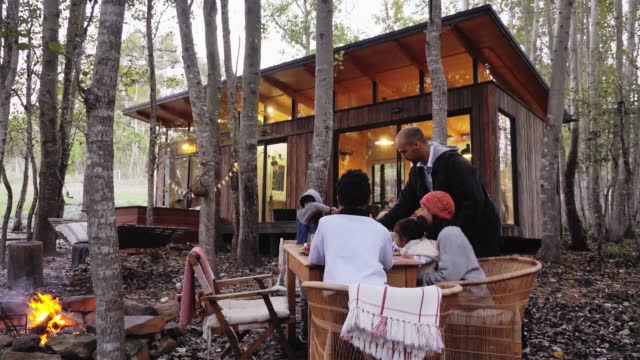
x: 234, y: 119
x: 576, y: 229
x: 100, y: 101
x: 551, y: 140
x: 317, y: 171
x: 436, y: 72
x: 632, y: 85
x: 153, y: 106
x: 50, y: 182
x: 247, y: 150
x: 205, y: 129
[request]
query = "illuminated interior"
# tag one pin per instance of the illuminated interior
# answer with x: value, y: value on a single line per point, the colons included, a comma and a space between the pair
x: 374, y: 152
x: 272, y: 192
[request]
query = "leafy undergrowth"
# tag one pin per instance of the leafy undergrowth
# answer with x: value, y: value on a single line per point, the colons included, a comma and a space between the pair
x: 576, y: 311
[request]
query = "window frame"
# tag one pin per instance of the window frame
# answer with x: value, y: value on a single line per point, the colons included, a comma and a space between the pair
x: 514, y: 165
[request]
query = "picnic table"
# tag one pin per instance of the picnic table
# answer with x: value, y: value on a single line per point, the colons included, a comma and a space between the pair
x: 403, y: 274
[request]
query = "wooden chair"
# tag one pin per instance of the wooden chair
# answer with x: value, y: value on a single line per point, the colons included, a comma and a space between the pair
x: 485, y: 321
x: 328, y: 309
x: 236, y: 314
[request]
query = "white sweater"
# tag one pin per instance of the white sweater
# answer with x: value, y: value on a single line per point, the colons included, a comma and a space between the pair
x: 353, y: 249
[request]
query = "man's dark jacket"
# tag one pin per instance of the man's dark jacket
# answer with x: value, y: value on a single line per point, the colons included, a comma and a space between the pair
x: 409, y: 199
x: 476, y: 214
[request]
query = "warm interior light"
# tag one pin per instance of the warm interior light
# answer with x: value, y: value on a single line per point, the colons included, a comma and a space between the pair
x: 384, y: 142
x: 269, y: 110
x: 185, y: 146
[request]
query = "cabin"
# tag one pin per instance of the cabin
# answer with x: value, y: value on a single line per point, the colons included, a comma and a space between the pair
x: 497, y: 106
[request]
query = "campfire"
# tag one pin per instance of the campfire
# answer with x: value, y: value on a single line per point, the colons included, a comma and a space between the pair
x: 45, y: 308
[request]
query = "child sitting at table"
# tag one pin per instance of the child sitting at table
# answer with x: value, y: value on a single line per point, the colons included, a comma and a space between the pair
x: 456, y: 259
x: 353, y: 247
x: 410, y: 240
x: 307, y: 217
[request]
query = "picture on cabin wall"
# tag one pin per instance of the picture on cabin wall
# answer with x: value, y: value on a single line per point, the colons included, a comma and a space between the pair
x: 277, y: 178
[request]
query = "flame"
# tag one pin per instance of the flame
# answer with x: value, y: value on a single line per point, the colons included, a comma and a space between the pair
x: 45, y: 306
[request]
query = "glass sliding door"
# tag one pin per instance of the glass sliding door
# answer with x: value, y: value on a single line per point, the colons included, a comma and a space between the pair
x: 272, y: 179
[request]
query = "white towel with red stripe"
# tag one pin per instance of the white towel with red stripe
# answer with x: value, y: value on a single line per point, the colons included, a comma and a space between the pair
x: 394, y: 323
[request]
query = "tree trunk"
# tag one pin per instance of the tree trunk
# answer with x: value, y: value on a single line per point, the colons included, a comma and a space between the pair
x: 525, y: 23
x: 632, y: 81
x: 465, y: 5
x: 306, y: 20
x: 210, y: 12
x: 24, y: 265
x: 247, y: 149
x: 548, y: 5
x: 72, y: 56
x: 8, y: 68
x: 551, y: 141
x: 576, y: 230
x: 618, y: 214
x: 151, y: 160
x: 205, y: 128
x: 7, y: 213
x: 594, y: 170
x: 17, y: 218
x: 234, y: 119
x: 532, y: 48
x: 318, y: 169
x: 50, y: 184
x: 438, y: 81
x: 105, y: 258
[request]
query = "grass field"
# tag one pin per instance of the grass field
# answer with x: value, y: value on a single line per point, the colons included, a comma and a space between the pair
x: 127, y: 192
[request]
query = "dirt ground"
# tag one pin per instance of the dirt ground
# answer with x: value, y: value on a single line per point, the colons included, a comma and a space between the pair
x: 579, y: 309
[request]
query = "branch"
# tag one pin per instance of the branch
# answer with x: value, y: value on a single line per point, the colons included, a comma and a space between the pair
x: 155, y: 32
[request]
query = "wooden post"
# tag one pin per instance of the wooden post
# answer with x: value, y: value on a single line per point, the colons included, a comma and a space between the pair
x: 24, y: 264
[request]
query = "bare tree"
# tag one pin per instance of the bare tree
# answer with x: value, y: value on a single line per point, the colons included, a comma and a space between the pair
x: 100, y: 101
x: 248, y: 242
x: 594, y: 170
x: 50, y: 181
x: 8, y: 67
x: 72, y: 56
x: 632, y: 85
x: 151, y: 161
x: 205, y: 128
x: 7, y: 214
x: 234, y: 119
x: 620, y: 154
x: 578, y: 236
x: 436, y: 72
x: 532, y: 38
x: 318, y: 169
x: 551, y: 140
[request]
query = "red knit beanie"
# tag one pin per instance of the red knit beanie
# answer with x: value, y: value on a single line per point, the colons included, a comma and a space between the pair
x: 440, y: 204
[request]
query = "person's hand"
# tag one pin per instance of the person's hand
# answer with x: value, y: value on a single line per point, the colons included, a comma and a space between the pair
x: 334, y: 211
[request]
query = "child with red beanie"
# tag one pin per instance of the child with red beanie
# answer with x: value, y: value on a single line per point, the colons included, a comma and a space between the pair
x: 456, y: 259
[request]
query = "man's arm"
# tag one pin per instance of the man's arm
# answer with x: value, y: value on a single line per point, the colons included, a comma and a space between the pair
x: 312, y: 210
x: 407, y: 203
x: 316, y: 254
x: 465, y: 187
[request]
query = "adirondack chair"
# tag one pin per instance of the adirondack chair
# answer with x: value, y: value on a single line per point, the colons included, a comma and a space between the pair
x: 235, y: 315
x: 485, y: 321
x: 328, y: 310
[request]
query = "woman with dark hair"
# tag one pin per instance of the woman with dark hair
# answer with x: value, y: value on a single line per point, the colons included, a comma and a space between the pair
x: 456, y: 259
x: 354, y: 248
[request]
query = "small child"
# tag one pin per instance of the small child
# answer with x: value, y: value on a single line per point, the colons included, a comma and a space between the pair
x: 409, y: 237
x: 456, y: 261
x: 307, y: 217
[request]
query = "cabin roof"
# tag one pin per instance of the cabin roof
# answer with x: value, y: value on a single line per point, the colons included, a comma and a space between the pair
x: 478, y: 32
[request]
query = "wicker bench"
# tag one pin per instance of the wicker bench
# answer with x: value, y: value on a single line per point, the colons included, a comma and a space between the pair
x: 485, y: 320
x: 328, y: 309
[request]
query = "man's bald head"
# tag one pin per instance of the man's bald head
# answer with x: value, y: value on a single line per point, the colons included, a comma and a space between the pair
x: 411, y: 134
x: 412, y: 145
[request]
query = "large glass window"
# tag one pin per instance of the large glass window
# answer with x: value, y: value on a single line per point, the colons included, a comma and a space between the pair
x: 398, y: 83
x: 374, y: 152
x: 506, y: 157
x: 272, y: 179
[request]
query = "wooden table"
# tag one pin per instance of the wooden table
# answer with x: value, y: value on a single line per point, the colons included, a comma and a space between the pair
x: 403, y: 274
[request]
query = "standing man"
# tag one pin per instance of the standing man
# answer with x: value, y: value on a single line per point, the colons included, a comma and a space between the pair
x: 442, y: 168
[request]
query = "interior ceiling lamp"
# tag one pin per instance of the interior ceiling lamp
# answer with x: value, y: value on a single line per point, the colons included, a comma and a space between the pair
x: 188, y: 147
x: 384, y: 142
x: 269, y: 110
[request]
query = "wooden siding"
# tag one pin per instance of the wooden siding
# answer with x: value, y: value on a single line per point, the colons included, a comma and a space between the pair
x: 529, y: 132
x: 298, y: 149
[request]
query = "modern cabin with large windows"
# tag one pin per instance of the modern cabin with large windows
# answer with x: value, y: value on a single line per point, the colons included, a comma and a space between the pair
x: 497, y: 105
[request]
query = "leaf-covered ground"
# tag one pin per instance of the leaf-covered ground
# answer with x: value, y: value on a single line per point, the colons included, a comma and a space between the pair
x: 579, y: 309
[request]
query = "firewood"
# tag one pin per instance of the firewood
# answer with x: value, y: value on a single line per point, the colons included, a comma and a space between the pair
x: 143, y: 325
x: 169, y: 310
x: 133, y: 308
